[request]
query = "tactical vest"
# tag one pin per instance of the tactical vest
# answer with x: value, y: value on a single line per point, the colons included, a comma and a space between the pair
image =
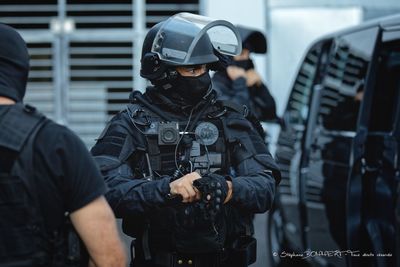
x: 24, y: 239
x: 199, y: 141
x: 199, y: 146
x: 202, y: 149
x: 173, y: 146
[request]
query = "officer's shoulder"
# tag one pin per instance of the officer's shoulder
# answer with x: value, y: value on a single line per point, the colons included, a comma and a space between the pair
x: 26, y: 112
x: 125, y: 122
x: 53, y: 130
x: 238, y: 115
x: 125, y: 115
x: 136, y: 113
x: 233, y: 108
x: 49, y: 127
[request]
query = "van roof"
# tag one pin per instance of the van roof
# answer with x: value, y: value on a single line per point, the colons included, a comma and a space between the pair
x: 388, y: 23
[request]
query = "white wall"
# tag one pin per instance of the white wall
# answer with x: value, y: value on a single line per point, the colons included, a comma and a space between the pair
x: 241, y: 12
x: 291, y: 31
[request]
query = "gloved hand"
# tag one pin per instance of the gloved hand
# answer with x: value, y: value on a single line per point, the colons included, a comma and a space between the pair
x: 183, y: 187
x: 214, y: 190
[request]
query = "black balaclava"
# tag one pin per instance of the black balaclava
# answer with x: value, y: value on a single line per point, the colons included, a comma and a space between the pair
x: 186, y: 90
x: 192, y: 89
x: 14, y: 64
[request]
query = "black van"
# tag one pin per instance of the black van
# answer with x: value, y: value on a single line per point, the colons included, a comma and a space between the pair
x: 338, y: 202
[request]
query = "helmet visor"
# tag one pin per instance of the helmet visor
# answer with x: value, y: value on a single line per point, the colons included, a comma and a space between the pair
x: 188, y: 39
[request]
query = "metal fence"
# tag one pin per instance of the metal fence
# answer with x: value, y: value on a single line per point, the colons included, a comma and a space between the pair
x: 85, y: 54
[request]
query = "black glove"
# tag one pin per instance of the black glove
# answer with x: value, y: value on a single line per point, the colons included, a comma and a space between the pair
x: 213, y: 189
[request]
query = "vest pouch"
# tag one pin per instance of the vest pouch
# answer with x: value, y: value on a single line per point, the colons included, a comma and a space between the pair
x: 202, y: 236
x: 14, y: 248
x: 17, y: 229
x: 73, y: 245
x: 198, y: 241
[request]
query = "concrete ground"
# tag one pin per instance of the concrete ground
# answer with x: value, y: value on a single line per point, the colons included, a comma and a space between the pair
x: 260, y: 228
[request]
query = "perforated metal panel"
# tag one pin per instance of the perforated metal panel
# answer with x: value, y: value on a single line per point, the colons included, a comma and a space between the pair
x: 85, y: 54
x: 40, y: 82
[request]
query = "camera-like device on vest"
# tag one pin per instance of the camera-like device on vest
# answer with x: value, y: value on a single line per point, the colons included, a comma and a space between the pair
x: 168, y: 133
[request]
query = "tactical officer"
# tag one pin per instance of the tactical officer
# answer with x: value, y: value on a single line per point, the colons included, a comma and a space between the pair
x: 241, y: 83
x: 49, y: 184
x: 186, y: 172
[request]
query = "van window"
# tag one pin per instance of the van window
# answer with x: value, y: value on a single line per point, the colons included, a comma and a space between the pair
x: 344, y: 80
x: 298, y: 103
x: 386, y: 89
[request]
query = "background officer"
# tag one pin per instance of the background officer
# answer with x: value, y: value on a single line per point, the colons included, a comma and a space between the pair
x: 47, y: 180
x: 241, y: 83
x: 186, y: 172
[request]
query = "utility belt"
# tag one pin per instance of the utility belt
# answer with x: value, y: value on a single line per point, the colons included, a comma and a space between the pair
x: 242, y: 254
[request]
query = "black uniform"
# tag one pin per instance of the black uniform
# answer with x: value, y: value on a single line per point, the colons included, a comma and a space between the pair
x: 256, y: 97
x: 136, y: 153
x: 63, y: 178
x: 46, y: 172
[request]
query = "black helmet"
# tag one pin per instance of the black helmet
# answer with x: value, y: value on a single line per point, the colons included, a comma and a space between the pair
x: 253, y: 40
x: 14, y: 64
x: 185, y: 39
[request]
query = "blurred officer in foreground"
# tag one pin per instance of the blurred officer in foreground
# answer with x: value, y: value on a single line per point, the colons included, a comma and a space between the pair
x: 241, y: 83
x: 49, y: 184
x: 186, y: 172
